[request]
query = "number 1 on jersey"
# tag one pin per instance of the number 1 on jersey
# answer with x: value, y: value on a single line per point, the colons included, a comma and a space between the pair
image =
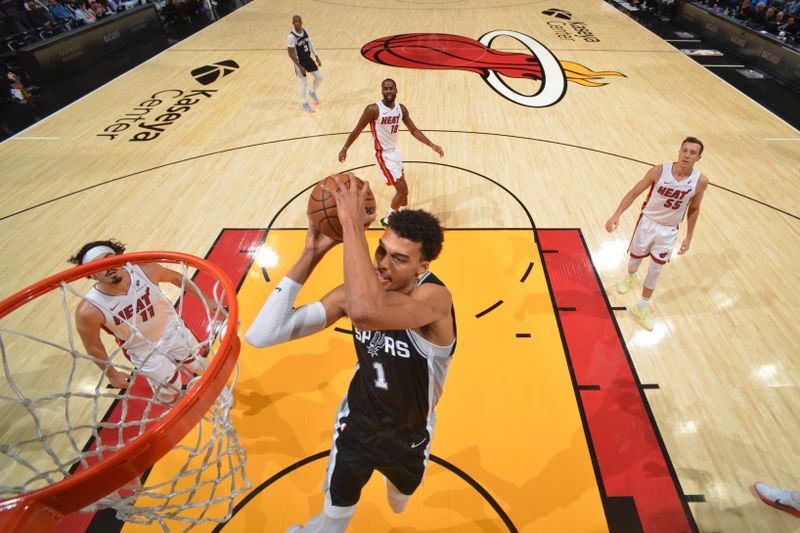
x: 381, y: 381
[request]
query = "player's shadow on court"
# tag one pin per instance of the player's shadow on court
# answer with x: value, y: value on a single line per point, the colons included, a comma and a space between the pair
x: 256, y: 402
x: 746, y: 512
x: 269, y: 405
x: 539, y: 491
x: 696, y: 481
x: 712, y: 287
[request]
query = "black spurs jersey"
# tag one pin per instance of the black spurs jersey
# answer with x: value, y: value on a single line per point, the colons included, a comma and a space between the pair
x: 398, y: 379
x: 302, y: 47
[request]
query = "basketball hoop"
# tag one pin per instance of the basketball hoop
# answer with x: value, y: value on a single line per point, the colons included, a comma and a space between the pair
x: 92, y: 460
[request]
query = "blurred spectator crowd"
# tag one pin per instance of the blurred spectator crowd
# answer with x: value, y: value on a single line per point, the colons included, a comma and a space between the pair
x: 663, y: 8
x: 776, y: 17
x: 25, y: 22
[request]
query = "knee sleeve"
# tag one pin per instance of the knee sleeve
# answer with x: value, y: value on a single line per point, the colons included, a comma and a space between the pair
x: 317, y: 78
x: 651, y: 278
x: 332, y: 519
x: 335, y: 512
x: 633, y: 264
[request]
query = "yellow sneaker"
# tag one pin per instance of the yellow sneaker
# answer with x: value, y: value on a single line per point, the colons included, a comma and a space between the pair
x: 625, y: 284
x: 643, y: 315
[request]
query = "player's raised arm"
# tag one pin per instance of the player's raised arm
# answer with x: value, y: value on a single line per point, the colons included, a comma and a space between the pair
x: 279, y: 321
x: 372, y: 301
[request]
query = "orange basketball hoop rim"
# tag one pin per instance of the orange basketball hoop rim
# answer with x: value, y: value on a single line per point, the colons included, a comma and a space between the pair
x: 43, y: 509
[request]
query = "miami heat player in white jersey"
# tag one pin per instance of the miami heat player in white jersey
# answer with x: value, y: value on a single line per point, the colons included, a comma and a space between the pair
x: 385, y: 130
x: 145, y: 323
x: 384, y: 122
x: 668, y: 199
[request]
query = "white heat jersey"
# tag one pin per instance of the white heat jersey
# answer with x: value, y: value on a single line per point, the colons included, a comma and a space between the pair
x: 668, y: 199
x: 386, y: 127
x: 160, y: 331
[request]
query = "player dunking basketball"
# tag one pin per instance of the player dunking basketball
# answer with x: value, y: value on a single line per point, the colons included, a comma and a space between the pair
x: 404, y: 333
x: 127, y: 303
x: 675, y: 190
x: 384, y: 118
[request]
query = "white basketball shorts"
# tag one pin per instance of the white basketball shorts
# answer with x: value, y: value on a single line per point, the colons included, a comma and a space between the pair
x: 653, y: 239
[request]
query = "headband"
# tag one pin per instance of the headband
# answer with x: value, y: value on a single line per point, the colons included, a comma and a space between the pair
x: 95, y: 252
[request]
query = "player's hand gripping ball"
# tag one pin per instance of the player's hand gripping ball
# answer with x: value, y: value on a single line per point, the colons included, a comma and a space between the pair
x: 322, y: 205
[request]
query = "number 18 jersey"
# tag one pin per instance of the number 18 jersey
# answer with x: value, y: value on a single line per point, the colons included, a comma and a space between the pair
x: 386, y: 127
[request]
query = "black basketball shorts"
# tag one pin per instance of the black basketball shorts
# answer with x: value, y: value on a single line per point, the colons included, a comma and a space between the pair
x: 355, y: 455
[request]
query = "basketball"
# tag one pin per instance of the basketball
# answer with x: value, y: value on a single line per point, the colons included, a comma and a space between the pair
x: 322, y: 205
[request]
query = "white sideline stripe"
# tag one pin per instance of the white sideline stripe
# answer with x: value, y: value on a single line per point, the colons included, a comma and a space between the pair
x: 682, y: 40
x: 723, y: 66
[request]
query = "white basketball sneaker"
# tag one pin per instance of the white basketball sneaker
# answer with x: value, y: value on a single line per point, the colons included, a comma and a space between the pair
x: 785, y: 500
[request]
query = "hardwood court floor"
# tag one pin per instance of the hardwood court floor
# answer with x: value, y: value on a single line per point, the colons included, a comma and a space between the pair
x: 723, y: 352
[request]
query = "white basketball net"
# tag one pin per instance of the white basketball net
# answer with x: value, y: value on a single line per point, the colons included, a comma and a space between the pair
x: 58, y: 414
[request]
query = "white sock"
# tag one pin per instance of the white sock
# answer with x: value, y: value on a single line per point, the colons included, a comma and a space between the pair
x: 643, y: 302
x: 402, y: 208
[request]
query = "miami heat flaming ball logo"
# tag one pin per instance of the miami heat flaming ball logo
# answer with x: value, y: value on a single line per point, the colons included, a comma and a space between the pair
x: 440, y: 51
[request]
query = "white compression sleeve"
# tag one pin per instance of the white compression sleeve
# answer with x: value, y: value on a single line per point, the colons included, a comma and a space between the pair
x: 279, y: 322
x: 653, y: 270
